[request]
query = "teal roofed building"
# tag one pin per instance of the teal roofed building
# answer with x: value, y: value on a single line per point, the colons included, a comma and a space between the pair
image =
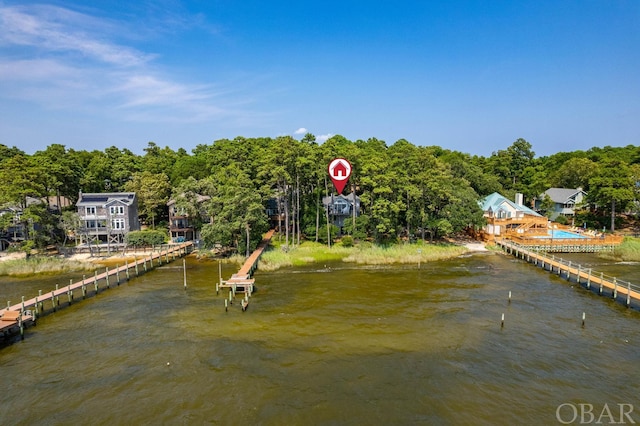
x: 508, y: 217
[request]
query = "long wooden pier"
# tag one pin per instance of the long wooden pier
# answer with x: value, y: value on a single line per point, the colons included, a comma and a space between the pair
x: 18, y: 316
x: 242, y: 281
x: 619, y: 290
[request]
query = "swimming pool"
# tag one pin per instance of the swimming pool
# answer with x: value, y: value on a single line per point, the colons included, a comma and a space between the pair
x: 561, y: 234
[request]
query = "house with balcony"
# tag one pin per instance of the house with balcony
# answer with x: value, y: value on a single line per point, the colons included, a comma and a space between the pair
x: 106, y: 218
x: 182, y: 226
x: 12, y: 229
x: 341, y: 207
x: 505, y: 217
x: 564, y: 200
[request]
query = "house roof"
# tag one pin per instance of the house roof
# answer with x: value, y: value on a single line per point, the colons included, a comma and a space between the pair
x: 104, y: 198
x: 562, y: 195
x: 494, y: 201
x: 327, y: 200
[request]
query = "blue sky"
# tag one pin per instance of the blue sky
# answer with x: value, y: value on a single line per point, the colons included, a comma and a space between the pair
x: 472, y: 76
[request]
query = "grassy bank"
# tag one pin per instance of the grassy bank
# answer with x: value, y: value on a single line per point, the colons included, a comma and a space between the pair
x: 42, y: 265
x: 365, y: 254
x: 628, y: 251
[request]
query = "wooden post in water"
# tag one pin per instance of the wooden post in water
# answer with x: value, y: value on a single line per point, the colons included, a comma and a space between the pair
x: 144, y: 259
x: 217, y: 289
x: 615, y: 288
x: 230, y: 296
x: 57, y: 297
x: 502, y: 321
x: 21, y: 325
x: 38, y: 304
x: 569, y: 272
x: 69, y: 294
x: 53, y: 302
x: 579, y: 272
x: 583, y: 317
x: 136, y: 260
x: 589, y: 279
x: 509, y: 296
x: 601, y: 280
x: 226, y: 305
x: 126, y: 264
x: 106, y: 270
x: 84, y: 288
x: 95, y: 281
x: 628, y: 294
x: 117, y: 274
x: 184, y: 268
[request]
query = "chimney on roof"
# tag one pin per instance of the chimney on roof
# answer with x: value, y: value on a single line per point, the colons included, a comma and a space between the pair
x: 519, y: 198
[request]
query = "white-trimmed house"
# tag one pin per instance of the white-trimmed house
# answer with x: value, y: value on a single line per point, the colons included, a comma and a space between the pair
x: 564, y: 200
x: 341, y: 207
x: 506, y: 217
x: 107, y: 217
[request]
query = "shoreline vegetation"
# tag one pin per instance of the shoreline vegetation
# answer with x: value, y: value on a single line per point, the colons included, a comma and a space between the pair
x: 362, y: 254
x: 628, y: 251
x: 308, y: 252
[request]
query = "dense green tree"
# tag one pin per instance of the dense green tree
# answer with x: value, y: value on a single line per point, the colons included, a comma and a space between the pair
x: 153, y: 193
x: 240, y: 218
x: 547, y: 205
x: 612, y: 185
x: 21, y: 177
x: 62, y: 176
x: 574, y: 173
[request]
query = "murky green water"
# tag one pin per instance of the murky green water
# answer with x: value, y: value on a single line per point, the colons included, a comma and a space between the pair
x: 337, y: 345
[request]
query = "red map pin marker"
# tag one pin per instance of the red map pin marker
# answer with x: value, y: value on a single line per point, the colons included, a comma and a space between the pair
x: 339, y: 171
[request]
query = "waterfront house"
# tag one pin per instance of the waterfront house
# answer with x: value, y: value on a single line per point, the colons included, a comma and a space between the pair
x: 505, y: 217
x: 341, y: 207
x: 564, y: 200
x: 107, y: 217
x: 182, y: 226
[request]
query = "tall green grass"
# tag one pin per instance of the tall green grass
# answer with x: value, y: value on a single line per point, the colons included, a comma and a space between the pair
x: 628, y: 251
x: 42, y: 265
x: 364, y: 253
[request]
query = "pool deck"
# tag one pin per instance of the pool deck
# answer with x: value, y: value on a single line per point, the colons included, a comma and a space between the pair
x: 588, y: 242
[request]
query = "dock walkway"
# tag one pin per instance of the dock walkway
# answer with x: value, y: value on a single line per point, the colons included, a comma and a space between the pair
x: 29, y: 310
x: 242, y: 281
x: 619, y: 290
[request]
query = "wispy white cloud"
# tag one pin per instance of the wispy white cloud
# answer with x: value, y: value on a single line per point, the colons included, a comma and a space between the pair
x: 301, y: 131
x: 50, y: 28
x: 60, y: 58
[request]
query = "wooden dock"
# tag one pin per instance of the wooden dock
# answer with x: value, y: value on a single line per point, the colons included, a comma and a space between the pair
x: 20, y: 315
x: 619, y: 290
x: 242, y: 280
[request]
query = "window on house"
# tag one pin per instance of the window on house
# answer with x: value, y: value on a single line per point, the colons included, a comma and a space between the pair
x: 90, y: 224
x: 341, y: 207
x: 116, y: 210
x: 117, y: 224
x: 90, y: 210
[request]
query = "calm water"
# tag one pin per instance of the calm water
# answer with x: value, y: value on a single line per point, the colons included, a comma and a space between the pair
x: 337, y: 345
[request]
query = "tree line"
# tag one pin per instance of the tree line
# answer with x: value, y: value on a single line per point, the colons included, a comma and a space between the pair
x: 405, y: 190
